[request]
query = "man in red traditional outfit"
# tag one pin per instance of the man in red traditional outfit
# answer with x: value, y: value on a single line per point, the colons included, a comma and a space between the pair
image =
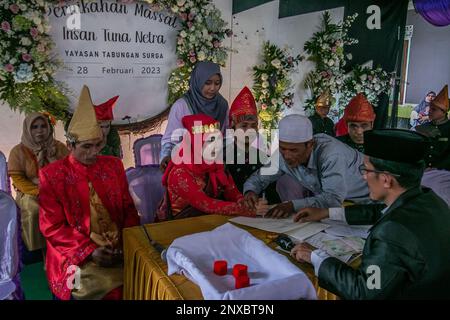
x: 84, y: 205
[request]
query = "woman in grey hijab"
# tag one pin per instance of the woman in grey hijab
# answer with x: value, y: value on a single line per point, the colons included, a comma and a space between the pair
x: 202, y: 97
x: 420, y: 113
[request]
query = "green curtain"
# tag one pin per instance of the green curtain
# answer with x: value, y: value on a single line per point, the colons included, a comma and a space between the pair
x: 242, y: 5
x: 289, y: 8
x: 383, y: 46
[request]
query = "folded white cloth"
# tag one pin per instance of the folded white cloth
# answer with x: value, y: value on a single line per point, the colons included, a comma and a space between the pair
x: 272, y: 275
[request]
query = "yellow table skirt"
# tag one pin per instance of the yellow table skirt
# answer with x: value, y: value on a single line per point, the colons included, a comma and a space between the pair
x: 145, y: 274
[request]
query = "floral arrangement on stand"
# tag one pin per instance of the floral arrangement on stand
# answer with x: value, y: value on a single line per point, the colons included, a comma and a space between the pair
x: 27, y: 65
x: 272, y: 85
x: 326, y: 50
x: 365, y: 80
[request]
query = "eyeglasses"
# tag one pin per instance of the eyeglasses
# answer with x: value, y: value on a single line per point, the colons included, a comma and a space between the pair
x: 363, y: 170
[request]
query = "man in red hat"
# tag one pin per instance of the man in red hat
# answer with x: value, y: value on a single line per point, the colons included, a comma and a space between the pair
x: 359, y: 117
x: 245, y: 153
x: 111, y: 138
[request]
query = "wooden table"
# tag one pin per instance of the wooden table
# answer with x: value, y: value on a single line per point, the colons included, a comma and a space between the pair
x: 145, y: 274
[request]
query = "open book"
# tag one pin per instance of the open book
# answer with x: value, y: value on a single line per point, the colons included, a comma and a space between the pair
x: 298, y: 231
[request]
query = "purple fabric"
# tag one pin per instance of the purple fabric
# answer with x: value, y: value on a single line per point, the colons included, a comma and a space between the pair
x: 9, y: 248
x: 436, y: 12
x: 289, y: 189
x: 146, y: 190
x: 147, y: 150
x: 439, y: 182
x: 19, y: 293
x: 4, y: 178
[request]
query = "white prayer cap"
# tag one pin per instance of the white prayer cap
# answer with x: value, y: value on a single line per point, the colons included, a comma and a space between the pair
x: 295, y: 128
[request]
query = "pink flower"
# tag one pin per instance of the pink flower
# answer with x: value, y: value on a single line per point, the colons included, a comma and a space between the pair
x: 324, y: 74
x: 192, y: 53
x: 190, y: 24
x: 34, y: 32
x: 6, y: 26
x: 14, y: 8
x: 180, y: 41
x: 26, y: 57
x: 263, y: 106
x: 184, y: 16
x: 191, y: 17
x: 9, y: 67
x: 216, y: 44
x: 192, y: 59
x: 180, y: 63
x: 370, y: 78
x: 334, y: 49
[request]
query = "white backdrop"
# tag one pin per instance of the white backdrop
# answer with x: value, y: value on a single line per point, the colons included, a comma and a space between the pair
x: 293, y: 31
x: 130, y: 53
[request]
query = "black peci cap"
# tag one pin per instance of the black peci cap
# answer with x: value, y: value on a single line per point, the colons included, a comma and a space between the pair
x: 395, y: 145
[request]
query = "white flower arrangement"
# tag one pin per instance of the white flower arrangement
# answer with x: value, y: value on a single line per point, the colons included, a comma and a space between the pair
x: 272, y: 84
x: 370, y: 82
x: 27, y: 67
x: 326, y: 49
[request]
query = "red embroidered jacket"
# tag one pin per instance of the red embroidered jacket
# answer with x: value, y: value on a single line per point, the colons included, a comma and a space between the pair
x: 64, y: 215
x: 185, y: 189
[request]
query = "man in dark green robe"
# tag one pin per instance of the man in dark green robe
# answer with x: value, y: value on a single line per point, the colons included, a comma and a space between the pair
x: 437, y: 159
x: 113, y: 145
x: 111, y: 138
x: 438, y: 130
x: 406, y: 255
x: 320, y: 121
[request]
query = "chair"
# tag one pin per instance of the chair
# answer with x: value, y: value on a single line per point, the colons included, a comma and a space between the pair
x: 4, y: 179
x: 9, y: 248
x: 146, y: 150
x: 146, y: 190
